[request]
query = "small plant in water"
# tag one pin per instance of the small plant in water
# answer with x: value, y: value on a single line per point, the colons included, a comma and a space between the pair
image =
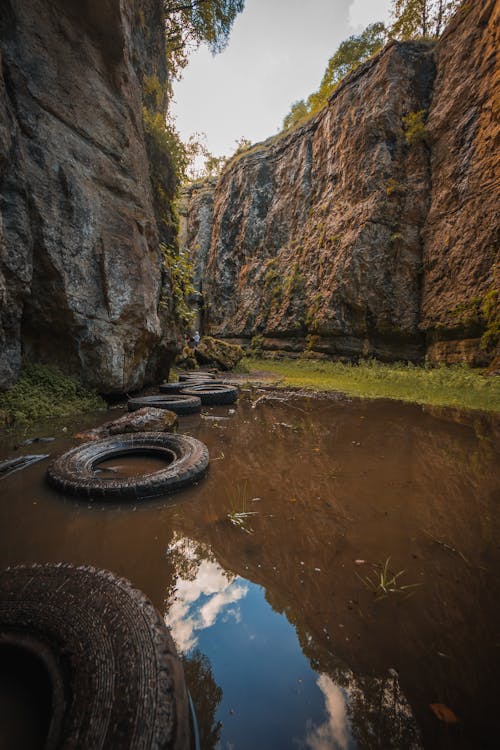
x: 238, y: 514
x: 383, y: 582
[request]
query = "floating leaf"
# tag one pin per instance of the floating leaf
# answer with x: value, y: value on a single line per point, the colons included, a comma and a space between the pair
x: 444, y: 713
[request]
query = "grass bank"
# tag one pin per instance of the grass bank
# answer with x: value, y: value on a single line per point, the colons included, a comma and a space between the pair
x: 43, y: 391
x: 457, y: 386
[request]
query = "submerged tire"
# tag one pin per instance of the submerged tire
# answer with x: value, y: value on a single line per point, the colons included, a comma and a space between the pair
x: 213, y: 394
x: 104, y: 653
x: 74, y: 471
x: 178, y: 403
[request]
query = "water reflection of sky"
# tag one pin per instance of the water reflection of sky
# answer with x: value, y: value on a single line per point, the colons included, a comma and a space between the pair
x: 271, y: 697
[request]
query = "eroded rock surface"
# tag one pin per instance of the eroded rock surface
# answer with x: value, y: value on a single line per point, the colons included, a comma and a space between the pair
x: 349, y: 237
x: 142, y: 420
x: 219, y: 353
x: 80, y: 268
x: 461, y: 233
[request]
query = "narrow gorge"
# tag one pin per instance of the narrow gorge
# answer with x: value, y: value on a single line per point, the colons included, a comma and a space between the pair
x: 372, y: 229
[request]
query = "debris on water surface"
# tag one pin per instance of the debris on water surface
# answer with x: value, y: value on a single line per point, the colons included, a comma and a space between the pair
x: 444, y: 713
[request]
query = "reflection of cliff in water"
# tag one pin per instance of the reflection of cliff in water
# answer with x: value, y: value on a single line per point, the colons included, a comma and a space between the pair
x: 206, y: 696
x: 336, y: 482
x: 366, y: 711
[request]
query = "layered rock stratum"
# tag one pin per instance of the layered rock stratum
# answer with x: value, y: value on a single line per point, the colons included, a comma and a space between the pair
x: 372, y: 230
x: 80, y: 268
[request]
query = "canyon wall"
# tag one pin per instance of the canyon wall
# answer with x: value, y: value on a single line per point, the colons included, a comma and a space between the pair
x: 81, y: 273
x: 357, y: 233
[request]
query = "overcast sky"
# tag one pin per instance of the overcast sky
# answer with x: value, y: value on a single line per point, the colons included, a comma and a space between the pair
x: 277, y: 53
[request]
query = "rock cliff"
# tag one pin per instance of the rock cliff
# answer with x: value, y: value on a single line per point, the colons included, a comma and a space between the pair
x: 337, y: 238
x: 80, y: 267
x: 460, y: 313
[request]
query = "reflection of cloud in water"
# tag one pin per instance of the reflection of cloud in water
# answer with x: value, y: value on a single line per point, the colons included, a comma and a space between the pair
x: 198, y: 601
x: 334, y: 732
x: 362, y: 709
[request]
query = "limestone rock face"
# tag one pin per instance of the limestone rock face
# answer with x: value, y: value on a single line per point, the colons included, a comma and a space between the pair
x: 80, y: 268
x: 316, y: 234
x: 461, y: 233
x: 349, y: 236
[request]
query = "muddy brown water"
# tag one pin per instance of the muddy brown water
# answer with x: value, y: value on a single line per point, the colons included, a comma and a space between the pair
x: 284, y: 643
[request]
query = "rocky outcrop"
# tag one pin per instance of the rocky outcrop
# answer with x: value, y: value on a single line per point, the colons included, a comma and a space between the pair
x: 221, y: 354
x: 461, y: 233
x: 80, y: 267
x: 332, y: 239
x: 142, y: 420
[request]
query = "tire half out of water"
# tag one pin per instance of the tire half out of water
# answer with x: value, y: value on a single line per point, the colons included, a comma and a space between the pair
x: 75, y: 471
x: 102, y: 653
x: 213, y: 394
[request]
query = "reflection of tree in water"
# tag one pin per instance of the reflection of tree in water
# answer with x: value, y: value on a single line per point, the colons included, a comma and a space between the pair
x: 206, y: 695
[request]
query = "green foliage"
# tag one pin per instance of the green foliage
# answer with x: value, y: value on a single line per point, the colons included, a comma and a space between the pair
x: 167, y: 157
x: 491, y: 313
x: 196, y: 149
x: 457, y: 386
x: 190, y: 23
x: 393, y: 187
x: 154, y: 93
x: 299, y: 111
x: 180, y: 272
x: 314, y: 306
x: 350, y: 54
x: 294, y: 281
x: 257, y: 345
x: 421, y: 18
x: 272, y: 282
x: 383, y: 582
x: 44, y: 391
x: 414, y: 127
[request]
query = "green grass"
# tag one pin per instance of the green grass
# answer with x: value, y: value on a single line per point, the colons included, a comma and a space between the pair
x: 457, y: 386
x: 44, y: 391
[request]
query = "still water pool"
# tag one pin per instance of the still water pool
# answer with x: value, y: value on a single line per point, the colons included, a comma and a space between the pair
x: 271, y: 571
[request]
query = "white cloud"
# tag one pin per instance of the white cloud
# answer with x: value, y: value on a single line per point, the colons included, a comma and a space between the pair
x: 334, y: 733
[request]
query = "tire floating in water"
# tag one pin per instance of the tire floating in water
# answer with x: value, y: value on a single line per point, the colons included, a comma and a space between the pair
x: 178, y: 403
x: 95, y: 659
x: 77, y: 471
x: 213, y: 394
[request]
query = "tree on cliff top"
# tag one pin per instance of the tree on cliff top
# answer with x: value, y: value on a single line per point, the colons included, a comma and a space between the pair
x: 351, y: 53
x: 189, y: 23
x: 421, y: 18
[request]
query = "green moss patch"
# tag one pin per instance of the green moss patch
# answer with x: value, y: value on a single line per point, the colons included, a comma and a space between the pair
x: 457, y: 386
x: 44, y: 391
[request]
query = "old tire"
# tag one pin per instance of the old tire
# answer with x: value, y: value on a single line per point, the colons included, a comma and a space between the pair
x: 213, y: 394
x: 171, y: 387
x: 74, y: 471
x: 178, y: 403
x: 179, y: 387
x: 196, y: 374
x: 102, y: 650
